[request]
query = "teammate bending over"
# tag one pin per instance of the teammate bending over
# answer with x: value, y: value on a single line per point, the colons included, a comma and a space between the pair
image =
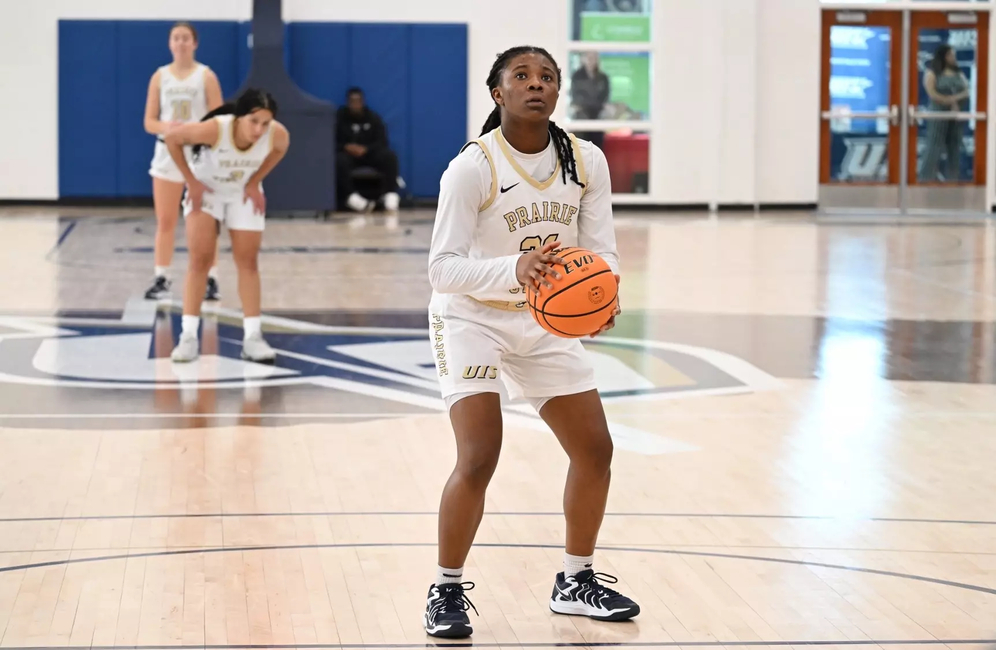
x: 512, y: 197
x: 235, y: 147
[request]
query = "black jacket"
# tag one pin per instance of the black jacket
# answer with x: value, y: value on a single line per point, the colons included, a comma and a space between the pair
x: 589, y: 93
x: 366, y: 129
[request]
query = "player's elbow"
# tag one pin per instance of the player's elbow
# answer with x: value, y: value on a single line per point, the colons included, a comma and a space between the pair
x: 439, y: 279
x: 150, y: 126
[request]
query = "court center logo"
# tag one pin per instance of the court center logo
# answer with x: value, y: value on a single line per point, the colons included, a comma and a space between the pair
x: 89, y: 367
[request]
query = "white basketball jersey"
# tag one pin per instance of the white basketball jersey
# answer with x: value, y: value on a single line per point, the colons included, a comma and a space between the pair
x: 182, y: 100
x: 522, y: 213
x: 225, y: 168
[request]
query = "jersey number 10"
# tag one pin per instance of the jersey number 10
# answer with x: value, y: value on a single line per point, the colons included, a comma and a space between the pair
x: 181, y: 110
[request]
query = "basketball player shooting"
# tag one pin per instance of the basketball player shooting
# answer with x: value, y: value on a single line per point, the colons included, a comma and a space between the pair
x: 507, y: 202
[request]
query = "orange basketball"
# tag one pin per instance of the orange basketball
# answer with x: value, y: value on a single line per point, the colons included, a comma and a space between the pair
x: 581, y: 301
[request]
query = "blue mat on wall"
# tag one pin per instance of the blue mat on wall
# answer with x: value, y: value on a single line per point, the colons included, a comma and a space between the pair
x: 414, y: 75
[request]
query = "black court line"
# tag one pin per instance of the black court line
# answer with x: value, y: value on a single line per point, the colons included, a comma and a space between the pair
x: 513, y: 644
x: 613, y: 549
x: 649, y: 515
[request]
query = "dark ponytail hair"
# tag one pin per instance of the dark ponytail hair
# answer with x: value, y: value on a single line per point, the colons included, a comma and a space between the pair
x: 253, y: 99
x: 562, y: 141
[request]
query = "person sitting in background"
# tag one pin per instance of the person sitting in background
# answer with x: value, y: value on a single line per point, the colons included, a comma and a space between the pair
x: 362, y: 141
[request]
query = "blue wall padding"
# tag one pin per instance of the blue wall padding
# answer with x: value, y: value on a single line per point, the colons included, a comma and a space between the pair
x: 436, y: 111
x: 88, y: 115
x: 414, y: 75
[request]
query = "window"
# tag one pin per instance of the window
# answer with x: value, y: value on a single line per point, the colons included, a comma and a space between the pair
x: 608, y: 86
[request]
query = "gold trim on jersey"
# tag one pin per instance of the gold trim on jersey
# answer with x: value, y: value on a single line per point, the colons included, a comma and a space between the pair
x: 504, y: 305
x: 579, y: 160
x: 217, y: 140
x: 494, y: 174
x: 518, y: 168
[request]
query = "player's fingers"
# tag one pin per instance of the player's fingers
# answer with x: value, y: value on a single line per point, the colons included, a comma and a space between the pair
x: 538, y: 276
x: 547, y: 270
x: 552, y: 246
x: 553, y: 259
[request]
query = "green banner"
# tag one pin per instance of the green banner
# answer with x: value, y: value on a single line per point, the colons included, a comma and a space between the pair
x: 629, y: 80
x: 615, y: 27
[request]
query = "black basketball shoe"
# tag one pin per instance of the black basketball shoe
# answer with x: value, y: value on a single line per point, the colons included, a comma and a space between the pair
x: 160, y: 287
x: 582, y: 595
x: 446, y: 611
x: 212, y: 292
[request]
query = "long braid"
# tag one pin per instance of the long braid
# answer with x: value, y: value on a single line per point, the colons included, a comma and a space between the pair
x: 561, y: 141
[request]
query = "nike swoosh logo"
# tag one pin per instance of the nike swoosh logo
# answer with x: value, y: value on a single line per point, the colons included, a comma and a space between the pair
x: 505, y: 189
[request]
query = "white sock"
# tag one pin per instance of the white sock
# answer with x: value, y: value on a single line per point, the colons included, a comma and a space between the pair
x: 574, y: 564
x: 213, y: 273
x: 448, y: 576
x: 251, y: 325
x: 190, y: 325
x: 162, y: 271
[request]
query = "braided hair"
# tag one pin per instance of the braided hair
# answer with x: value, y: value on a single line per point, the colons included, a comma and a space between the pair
x: 253, y: 99
x: 562, y: 141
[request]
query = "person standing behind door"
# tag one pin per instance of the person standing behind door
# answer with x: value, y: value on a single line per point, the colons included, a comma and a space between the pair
x: 947, y: 87
x: 589, y: 93
x: 361, y: 138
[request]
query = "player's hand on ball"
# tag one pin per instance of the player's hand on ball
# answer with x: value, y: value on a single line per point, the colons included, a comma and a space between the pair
x: 254, y: 194
x: 618, y: 310
x: 534, y: 265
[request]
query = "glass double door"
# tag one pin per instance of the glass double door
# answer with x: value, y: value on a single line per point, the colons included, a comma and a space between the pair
x: 903, y: 111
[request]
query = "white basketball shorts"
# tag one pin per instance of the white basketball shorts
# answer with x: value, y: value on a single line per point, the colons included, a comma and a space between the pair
x: 163, y: 166
x: 232, y: 211
x: 477, y: 347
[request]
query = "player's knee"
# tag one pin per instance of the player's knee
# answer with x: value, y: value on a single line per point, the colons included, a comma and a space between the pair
x: 476, y: 467
x: 166, y: 225
x: 247, y: 263
x: 596, y: 453
x: 201, y: 259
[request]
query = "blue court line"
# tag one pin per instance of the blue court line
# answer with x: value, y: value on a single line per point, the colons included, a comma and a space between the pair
x: 62, y: 238
x: 299, y: 250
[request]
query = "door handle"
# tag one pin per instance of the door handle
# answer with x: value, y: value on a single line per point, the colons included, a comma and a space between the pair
x: 962, y: 116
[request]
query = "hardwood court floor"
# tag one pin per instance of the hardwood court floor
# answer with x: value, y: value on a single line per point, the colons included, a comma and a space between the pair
x: 804, y: 416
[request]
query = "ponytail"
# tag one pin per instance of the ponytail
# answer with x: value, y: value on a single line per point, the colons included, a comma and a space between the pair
x: 249, y: 101
x: 493, y: 121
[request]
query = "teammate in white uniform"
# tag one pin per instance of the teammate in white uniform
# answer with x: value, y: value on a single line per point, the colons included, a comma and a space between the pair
x: 234, y: 148
x: 506, y: 203
x: 181, y: 92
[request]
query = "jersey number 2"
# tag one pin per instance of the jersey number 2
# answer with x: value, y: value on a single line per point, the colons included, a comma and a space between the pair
x: 535, y: 243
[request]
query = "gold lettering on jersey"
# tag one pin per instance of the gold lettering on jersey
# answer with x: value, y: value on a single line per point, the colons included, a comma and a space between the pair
x: 437, y: 345
x: 480, y: 372
x: 523, y: 216
x: 550, y: 211
x: 237, y: 162
x: 554, y: 212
